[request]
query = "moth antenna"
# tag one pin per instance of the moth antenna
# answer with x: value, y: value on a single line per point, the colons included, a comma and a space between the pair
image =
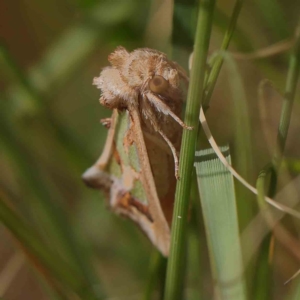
x: 165, y: 109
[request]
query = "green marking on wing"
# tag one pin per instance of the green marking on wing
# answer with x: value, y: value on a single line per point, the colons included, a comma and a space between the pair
x: 121, y: 130
x: 114, y: 168
x: 128, y: 157
x: 138, y: 192
x: 134, y: 159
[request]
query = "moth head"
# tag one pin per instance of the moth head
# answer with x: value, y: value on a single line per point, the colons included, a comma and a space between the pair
x: 158, y: 84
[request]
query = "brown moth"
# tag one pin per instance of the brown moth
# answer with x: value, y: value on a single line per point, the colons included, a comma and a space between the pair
x: 138, y: 167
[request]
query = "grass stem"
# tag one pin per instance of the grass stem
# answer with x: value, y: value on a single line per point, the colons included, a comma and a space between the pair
x: 175, y: 268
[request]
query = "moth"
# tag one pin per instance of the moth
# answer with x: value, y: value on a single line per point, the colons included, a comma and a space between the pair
x: 138, y: 167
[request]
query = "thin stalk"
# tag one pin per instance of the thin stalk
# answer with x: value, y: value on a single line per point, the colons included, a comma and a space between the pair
x: 175, y: 272
x: 291, y: 84
x: 262, y: 277
x: 260, y: 186
x: 196, y: 258
x: 214, y: 73
x: 296, y: 292
x: 263, y: 271
x: 157, y: 274
x: 285, y: 117
x: 279, y: 232
x: 290, y: 89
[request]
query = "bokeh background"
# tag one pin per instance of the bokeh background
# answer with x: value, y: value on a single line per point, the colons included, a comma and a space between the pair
x: 50, y: 131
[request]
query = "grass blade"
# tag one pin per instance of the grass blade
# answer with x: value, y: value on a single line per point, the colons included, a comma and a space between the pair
x: 47, y: 261
x: 49, y: 217
x: 66, y: 273
x: 221, y: 222
x: 216, y: 67
x: 296, y: 292
x: 157, y: 272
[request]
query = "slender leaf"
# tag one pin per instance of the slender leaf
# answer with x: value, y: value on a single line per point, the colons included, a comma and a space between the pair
x: 62, y: 270
x: 216, y: 67
x: 296, y: 291
x: 218, y: 202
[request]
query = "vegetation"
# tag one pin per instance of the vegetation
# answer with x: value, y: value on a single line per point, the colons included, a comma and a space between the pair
x: 228, y: 243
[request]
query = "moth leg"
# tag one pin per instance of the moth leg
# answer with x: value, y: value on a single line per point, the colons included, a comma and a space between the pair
x: 174, y: 152
x: 147, y: 110
x: 95, y: 176
x: 165, y: 109
x: 106, y: 122
x: 104, y: 158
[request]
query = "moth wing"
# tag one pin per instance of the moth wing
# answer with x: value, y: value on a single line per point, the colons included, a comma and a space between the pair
x: 123, y: 172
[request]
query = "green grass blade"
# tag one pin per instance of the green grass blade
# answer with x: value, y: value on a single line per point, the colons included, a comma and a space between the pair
x: 216, y: 67
x: 48, y: 215
x: 263, y: 273
x: 157, y: 272
x: 242, y: 123
x: 274, y: 16
x: 296, y: 293
x: 33, y: 104
x: 74, y: 46
x: 68, y: 274
x: 44, y: 212
x: 62, y: 270
x: 175, y: 273
x: 184, y: 23
x: 218, y: 202
x: 243, y: 143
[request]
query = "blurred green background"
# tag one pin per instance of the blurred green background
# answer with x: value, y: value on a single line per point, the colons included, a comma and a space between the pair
x: 50, y: 131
